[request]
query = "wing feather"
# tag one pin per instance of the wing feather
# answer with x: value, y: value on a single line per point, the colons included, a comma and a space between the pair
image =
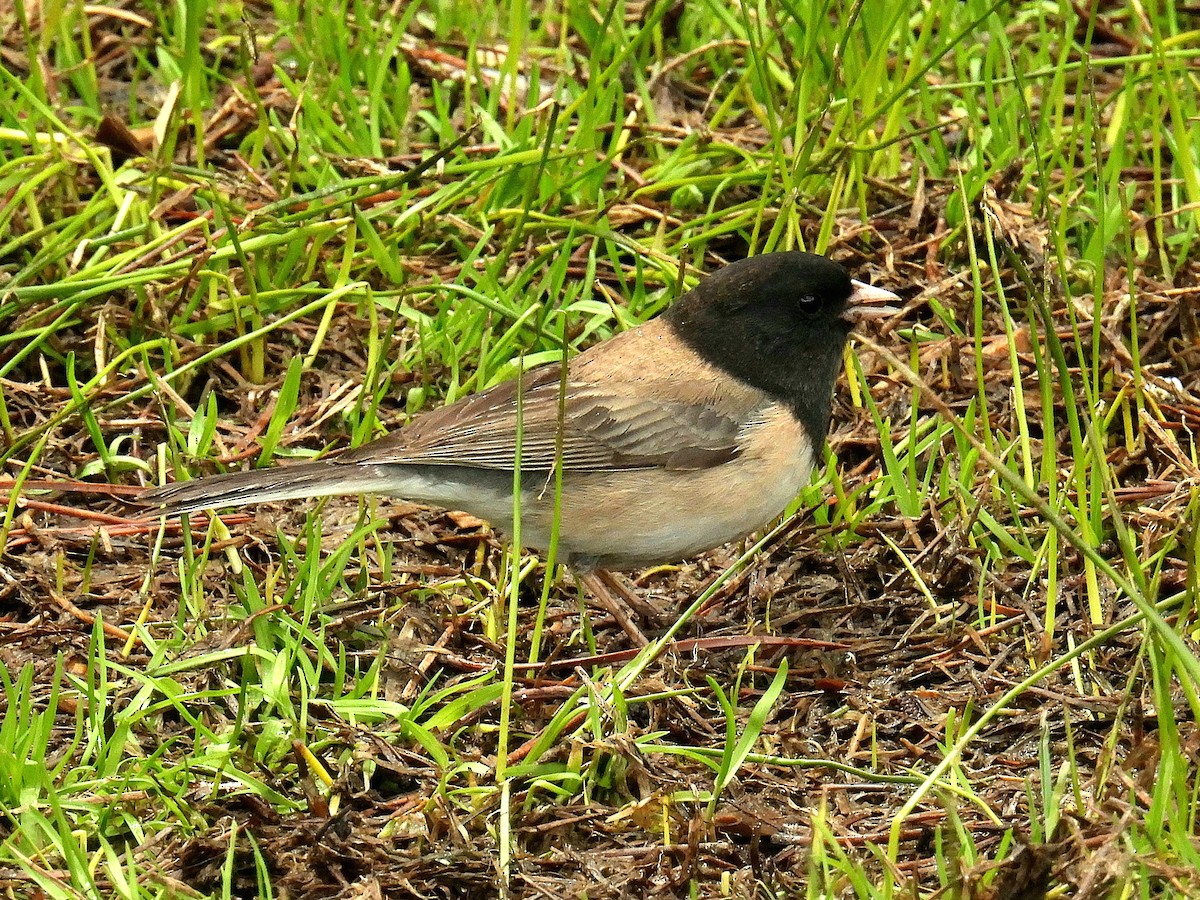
x: 614, y: 426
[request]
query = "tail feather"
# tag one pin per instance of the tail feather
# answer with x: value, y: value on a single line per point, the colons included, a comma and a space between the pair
x: 314, y: 479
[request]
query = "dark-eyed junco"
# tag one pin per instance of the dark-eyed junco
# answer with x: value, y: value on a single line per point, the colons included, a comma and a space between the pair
x: 674, y: 437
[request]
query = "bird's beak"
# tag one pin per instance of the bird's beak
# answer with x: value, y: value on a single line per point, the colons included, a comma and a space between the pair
x: 869, y: 302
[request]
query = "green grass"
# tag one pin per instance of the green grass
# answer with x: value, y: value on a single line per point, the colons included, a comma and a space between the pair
x: 350, y: 213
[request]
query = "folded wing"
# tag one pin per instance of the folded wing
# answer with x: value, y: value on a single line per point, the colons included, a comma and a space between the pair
x: 594, y: 428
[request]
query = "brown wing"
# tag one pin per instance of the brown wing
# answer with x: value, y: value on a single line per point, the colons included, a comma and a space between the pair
x: 614, y: 426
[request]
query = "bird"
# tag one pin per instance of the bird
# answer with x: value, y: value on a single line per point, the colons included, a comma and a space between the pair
x: 679, y: 435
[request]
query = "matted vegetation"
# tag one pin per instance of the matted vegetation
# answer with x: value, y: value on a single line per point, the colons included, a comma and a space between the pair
x: 233, y: 234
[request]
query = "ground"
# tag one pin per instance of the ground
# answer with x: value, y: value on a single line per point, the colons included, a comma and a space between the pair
x: 963, y: 664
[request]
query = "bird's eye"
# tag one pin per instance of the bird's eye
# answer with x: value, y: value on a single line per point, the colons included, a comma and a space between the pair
x: 809, y: 303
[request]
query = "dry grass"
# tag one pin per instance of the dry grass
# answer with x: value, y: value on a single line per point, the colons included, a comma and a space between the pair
x: 312, y: 701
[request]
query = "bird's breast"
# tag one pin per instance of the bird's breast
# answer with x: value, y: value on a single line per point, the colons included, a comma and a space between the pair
x: 640, y: 517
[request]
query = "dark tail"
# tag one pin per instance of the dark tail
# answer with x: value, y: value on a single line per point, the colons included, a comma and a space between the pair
x: 314, y: 479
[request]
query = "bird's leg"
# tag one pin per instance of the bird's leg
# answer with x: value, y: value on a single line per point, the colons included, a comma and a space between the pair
x: 646, y: 610
x: 597, y: 583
